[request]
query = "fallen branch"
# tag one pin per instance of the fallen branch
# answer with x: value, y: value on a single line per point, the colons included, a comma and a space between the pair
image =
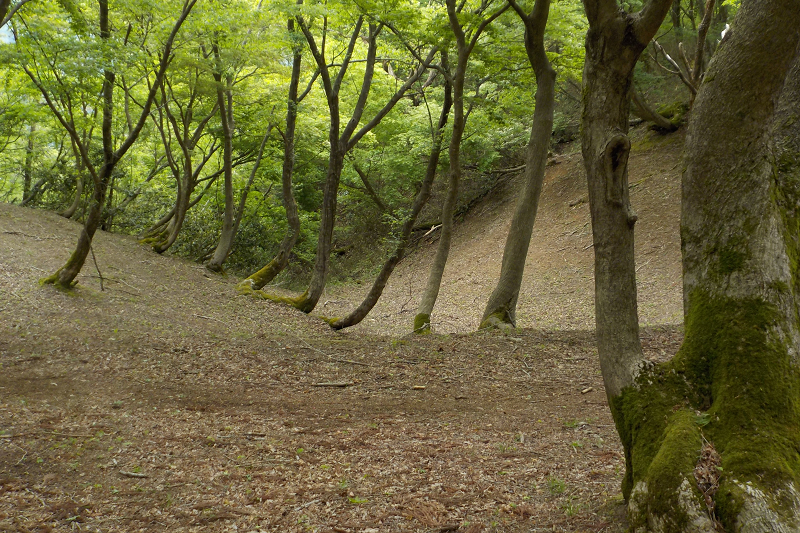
x: 334, y: 384
x: 133, y: 474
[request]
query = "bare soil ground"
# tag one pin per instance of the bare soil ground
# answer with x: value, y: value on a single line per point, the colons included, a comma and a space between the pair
x: 162, y: 401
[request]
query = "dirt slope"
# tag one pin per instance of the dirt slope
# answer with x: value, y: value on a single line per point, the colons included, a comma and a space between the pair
x: 162, y: 401
x: 558, y: 287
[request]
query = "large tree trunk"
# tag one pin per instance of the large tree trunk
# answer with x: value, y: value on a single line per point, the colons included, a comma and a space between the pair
x: 733, y: 389
x: 258, y: 280
x: 502, y: 305
x: 424, y: 193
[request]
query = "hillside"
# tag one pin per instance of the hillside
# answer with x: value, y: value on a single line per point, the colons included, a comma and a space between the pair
x: 154, y: 398
x: 558, y: 287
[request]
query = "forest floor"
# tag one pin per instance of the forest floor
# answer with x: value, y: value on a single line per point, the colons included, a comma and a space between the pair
x: 153, y: 398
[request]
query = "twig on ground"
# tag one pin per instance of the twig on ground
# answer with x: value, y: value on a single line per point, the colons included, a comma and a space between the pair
x: 333, y: 384
x: 133, y: 474
x: 100, y: 274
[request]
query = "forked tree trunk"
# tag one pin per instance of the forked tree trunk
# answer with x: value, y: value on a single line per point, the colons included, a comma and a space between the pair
x: 613, y: 44
x: 733, y: 389
x: 273, y: 268
x: 65, y: 276
x: 424, y: 193
x: 502, y: 305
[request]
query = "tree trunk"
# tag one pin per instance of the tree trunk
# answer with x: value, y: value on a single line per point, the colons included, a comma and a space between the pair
x: 424, y: 193
x: 613, y: 44
x: 734, y: 386
x: 465, y: 44
x: 225, y: 104
x: 502, y: 305
x: 258, y: 280
x: 27, y: 169
x: 422, y: 320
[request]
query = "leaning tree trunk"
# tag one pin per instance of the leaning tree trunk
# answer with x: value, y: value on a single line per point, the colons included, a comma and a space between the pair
x: 501, y: 308
x: 359, y: 313
x: 226, y: 118
x: 715, y: 433
x: 422, y: 320
x: 273, y: 268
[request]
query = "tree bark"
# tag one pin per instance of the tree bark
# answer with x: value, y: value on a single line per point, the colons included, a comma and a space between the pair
x: 465, y: 45
x: 225, y: 105
x: 502, y: 305
x: 266, y: 274
x: 424, y: 193
x: 733, y: 390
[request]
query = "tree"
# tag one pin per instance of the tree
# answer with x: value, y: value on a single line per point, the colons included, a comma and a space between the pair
x: 502, y: 304
x: 64, y: 277
x: 181, y: 118
x: 466, y: 39
x: 712, y: 438
x: 423, y: 194
x: 614, y: 42
x: 342, y: 140
x: 268, y: 272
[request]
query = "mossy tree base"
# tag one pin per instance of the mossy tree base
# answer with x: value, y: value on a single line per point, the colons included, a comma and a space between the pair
x: 500, y: 319
x: 422, y: 324
x: 733, y: 385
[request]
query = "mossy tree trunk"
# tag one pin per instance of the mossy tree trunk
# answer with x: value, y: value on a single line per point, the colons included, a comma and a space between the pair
x: 614, y: 43
x: 502, y: 305
x: 65, y: 276
x: 266, y: 274
x: 421, y: 198
x: 735, y: 383
x: 466, y: 39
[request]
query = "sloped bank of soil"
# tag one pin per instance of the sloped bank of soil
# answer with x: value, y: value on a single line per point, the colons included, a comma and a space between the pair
x: 166, y: 403
x: 558, y: 286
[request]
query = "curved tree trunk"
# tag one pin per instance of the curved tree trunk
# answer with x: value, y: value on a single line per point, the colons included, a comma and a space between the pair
x: 465, y: 45
x: 273, y: 268
x: 225, y: 104
x: 732, y: 393
x: 422, y: 321
x: 424, y: 193
x: 502, y: 305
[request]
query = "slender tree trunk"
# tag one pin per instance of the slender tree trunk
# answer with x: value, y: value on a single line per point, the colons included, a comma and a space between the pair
x: 643, y: 110
x: 501, y: 308
x: 225, y: 104
x: 341, y: 143
x: 27, y: 169
x: 422, y: 320
x: 266, y: 274
x: 465, y: 45
x: 424, y: 193
x: 733, y: 390
x: 80, y: 169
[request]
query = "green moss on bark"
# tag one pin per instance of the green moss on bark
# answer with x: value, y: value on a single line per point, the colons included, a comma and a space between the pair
x: 422, y: 324
x: 499, y: 319
x: 735, y: 366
